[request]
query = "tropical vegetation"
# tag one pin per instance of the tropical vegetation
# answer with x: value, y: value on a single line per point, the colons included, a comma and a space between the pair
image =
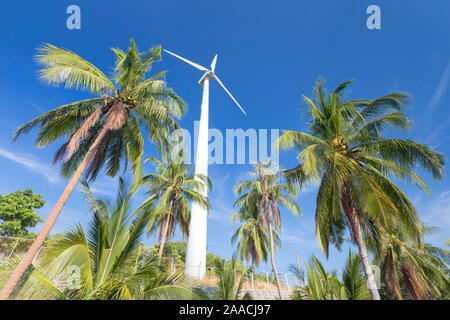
x: 99, y: 263
x: 325, y: 285
x: 104, y: 131
x: 349, y: 150
x: 263, y: 194
x: 17, y: 212
x: 175, y: 187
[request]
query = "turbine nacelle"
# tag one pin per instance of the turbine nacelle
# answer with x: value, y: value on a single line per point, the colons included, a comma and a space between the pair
x: 208, y: 75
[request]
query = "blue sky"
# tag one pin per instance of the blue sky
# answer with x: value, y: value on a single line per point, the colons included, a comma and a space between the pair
x: 270, y: 53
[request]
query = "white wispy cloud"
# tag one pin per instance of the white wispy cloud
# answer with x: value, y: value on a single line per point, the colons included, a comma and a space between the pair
x: 301, y: 232
x: 221, y: 214
x: 102, y: 191
x: 440, y: 142
x: 436, y: 132
x: 298, y: 238
x: 437, y: 211
x: 51, y: 174
x: 35, y: 106
x: 96, y: 190
x: 222, y: 198
x: 31, y: 164
x: 440, y: 89
x: 105, y: 186
x: 310, y: 186
x: 434, y: 102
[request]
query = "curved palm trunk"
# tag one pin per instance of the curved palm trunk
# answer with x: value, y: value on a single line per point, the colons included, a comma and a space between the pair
x: 170, y: 230
x: 272, y: 259
x: 164, y: 232
x: 391, y: 284
x: 413, y: 284
x: 48, y: 225
x: 352, y: 217
x: 163, y: 237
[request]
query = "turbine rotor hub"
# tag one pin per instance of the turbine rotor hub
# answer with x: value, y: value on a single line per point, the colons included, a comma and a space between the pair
x: 208, y: 75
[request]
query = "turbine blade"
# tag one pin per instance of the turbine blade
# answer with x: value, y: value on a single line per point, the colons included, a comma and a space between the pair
x: 220, y: 82
x: 187, y: 61
x: 213, y: 63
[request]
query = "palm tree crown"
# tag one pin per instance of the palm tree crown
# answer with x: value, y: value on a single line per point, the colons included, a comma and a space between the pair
x: 227, y: 281
x: 264, y: 193
x: 419, y: 268
x: 253, y: 242
x: 325, y: 285
x: 130, y: 100
x: 175, y: 187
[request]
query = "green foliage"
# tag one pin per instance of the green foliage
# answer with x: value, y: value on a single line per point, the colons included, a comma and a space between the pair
x: 353, y: 279
x: 17, y: 212
x: 265, y: 192
x: 251, y: 236
x: 321, y: 285
x: 53, y: 240
x: 176, y: 250
x: 175, y: 188
x: 173, y: 250
x: 413, y: 269
x: 324, y: 285
x: 228, y: 277
x: 299, y: 274
x: 102, y: 259
x: 258, y: 200
x: 233, y: 264
x: 347, y: 153
x: 210, y: 259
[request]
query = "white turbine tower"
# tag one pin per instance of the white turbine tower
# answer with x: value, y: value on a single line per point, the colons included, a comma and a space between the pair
x: 196, y: 246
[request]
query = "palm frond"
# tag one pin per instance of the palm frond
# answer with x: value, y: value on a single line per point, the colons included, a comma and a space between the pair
x: 63, y: 66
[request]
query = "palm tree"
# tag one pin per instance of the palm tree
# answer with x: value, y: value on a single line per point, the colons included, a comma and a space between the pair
x: 353, y: 161
x: 353, y: 279
x: 421, y: 269
x: 321, y: 285
x: 227, y: 279
x: 324, y: 285
x: 175, y: 187
x: 297, y: 272
x: 253, y: 242
x: 264, y: 193
x: 103, y: 259
x: 103, y: 131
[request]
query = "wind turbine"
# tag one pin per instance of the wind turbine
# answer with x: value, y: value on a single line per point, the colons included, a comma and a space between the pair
x: 195, y: 265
